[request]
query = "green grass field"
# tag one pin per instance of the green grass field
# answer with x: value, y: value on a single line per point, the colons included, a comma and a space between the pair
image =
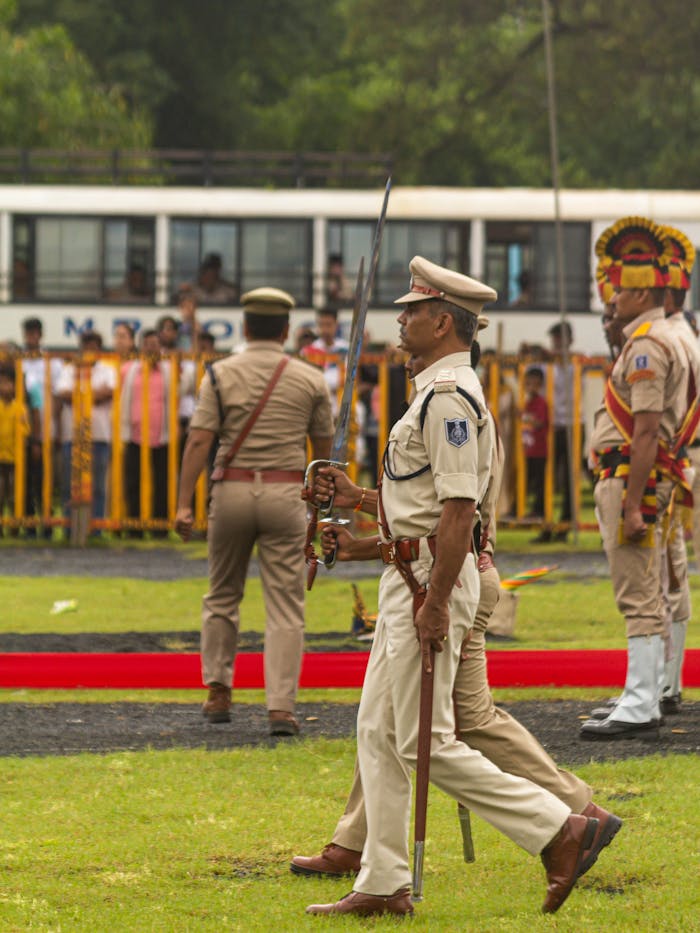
x: 200, y: 841
x: 554, y: 612
x: 197, y: 841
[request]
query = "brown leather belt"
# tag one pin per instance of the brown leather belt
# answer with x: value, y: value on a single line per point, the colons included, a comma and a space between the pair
x: 408, y: 549
x: 236, y: 475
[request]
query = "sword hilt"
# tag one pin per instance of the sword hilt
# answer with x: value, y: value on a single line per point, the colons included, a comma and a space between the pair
x: 330, y: 559
x: 325, y: 508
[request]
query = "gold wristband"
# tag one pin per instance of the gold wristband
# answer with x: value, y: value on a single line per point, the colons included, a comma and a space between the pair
x: 362, y: 499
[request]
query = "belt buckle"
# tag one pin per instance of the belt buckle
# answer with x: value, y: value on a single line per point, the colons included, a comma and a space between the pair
x: 388, y: 552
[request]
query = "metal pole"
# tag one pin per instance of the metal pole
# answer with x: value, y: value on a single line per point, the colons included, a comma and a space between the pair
x: 559, y: 239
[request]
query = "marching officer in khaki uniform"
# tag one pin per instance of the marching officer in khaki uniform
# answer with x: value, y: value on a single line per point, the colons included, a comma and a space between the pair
x: 436, y: 467
x: 480, y: 723
x: 262, y: 405
x: 679, y: 270
x: 634, y: 448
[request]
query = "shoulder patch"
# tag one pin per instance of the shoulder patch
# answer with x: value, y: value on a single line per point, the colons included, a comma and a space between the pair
x: 640, y: 375
x: 457, y: 430
x: 445, y: 381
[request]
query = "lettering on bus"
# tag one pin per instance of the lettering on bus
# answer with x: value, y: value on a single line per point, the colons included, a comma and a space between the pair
x: 219, y: 329
x: 70, y: 327
x: 133, y: 322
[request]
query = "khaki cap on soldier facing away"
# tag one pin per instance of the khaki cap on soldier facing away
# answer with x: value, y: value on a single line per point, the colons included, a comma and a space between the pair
x: 267, y: 301
x: 428, y: 280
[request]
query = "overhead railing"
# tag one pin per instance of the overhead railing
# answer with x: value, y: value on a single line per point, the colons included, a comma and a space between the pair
x: 197, y: 167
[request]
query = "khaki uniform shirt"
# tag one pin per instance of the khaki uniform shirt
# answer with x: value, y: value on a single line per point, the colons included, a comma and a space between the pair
x: 299, y: 405
x: 449, y: 458
x: 680, y: 330
x: 650, y: 374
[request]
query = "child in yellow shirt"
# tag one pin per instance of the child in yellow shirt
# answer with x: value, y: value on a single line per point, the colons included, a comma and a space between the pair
x: 13, y: 417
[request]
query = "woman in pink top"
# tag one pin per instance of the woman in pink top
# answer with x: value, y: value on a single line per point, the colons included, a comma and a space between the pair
x: 132, y: 434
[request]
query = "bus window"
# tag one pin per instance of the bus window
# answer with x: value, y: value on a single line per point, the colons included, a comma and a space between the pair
x: 195, y: 244
x: 444, y: 243
x: 22, y: 284
x: 277, y: 253
x: 129, y: 252
x: 521, y: 265
x: 67, y: 259
x: 81, y: 259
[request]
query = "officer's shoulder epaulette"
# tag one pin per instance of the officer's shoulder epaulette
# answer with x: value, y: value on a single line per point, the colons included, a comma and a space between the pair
x: 642, y: 330
x: 481, y: 420
x: 445, y: 381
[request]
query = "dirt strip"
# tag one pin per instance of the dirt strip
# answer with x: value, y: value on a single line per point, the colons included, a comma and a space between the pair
x: 72, y: 728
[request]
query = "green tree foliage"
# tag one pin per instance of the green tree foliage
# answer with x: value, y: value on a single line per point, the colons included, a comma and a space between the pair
x: 455, y: 90
x: 205, y: 70
x: 49, y: 94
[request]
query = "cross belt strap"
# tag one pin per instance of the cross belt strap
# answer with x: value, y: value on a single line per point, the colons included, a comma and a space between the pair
x: 407, y: 549
x: 218, y: 472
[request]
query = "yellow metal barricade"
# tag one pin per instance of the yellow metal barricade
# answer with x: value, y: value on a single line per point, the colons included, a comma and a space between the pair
x: 173, y: 435
x: 117, y: 510
x: 549, y: 467
x: 504, y: 391
x: 20, y: 448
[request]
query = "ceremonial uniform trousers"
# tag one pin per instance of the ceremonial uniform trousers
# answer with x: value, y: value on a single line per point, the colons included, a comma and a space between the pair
x: 387, y: 729
x: 676, y: 593
x: 635, y: 571
x: 273, y: 515
x: 484, y: 727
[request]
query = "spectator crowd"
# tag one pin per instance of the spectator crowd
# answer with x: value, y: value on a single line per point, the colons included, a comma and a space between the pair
x: 137, y: 375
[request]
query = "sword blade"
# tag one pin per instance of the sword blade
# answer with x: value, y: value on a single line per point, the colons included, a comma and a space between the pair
x: 357, y: 331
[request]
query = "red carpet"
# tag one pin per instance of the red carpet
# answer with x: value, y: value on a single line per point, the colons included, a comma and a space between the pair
x: 341, y: 669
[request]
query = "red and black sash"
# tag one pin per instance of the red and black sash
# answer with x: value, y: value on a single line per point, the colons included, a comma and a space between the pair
x: 670, y: 464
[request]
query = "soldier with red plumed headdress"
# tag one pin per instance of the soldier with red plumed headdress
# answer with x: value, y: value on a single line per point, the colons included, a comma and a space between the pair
x: 635, y: 444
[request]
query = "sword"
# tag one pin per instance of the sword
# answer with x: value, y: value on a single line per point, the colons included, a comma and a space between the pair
x: 339, y: 443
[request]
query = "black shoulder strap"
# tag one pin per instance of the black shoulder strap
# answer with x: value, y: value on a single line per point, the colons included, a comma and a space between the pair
x: 463, y: 392
x: 215, y: 386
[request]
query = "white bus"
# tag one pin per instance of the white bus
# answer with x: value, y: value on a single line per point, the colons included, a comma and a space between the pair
x: 66, y: 252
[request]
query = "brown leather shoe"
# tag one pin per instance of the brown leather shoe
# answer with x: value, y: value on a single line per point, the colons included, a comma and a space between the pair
x: 608, y: 827
x: 217, y: 707
x: 334, y: 860
x: 563, y: 857
x: 283, y: 723
x: 368, y: 905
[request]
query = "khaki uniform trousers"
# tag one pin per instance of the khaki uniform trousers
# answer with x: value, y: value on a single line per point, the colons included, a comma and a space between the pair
x: 485, y: 728
x: 635, y: 571
x: 273, y: 516
x: 677, y: 571
x: 387, y: 735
